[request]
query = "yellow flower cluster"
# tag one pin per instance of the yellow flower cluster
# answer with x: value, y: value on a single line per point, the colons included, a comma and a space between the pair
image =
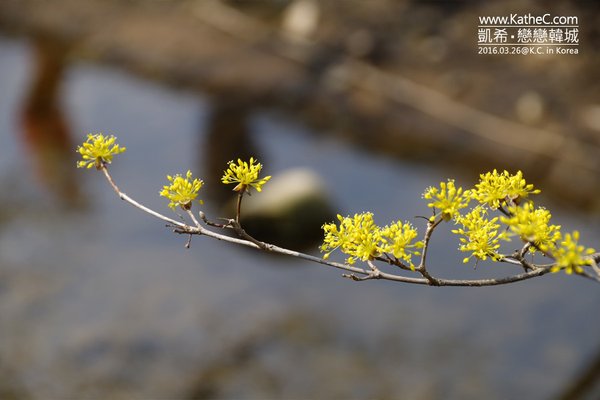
x: 570, y: 256
x: 182, y: 190
x: 494, y: 189
x: 245, y: 174
x: 98, y: 150
x: 480, y: 235
x: 532, y: 225
x: 398, y: 239
x: 360, y: 238
x: 448, y: 199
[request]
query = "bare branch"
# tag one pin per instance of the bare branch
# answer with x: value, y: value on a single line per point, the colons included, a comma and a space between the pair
x: 191, y: 214
x: 422, y: 268
x: 134, y: 203
x: 239, y: 206
x: 354, y: 273
x: 235, y: 225
x: 430, y: 227
x: 595, y: 267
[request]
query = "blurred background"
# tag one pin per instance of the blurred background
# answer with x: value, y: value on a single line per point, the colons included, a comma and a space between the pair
x: 360, y: 105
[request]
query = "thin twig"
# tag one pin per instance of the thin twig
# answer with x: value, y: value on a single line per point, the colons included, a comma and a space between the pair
x: 235, y: 225
x: 430, y: 227
x: 386, y: 258
x: 595, y: 261
x: 239, y: 206
x: 374, y: 270
x: 524, y: 250
x: 128, y: 199
x: 210, y: 223
x: 422, y: 268
x: 191, y: 214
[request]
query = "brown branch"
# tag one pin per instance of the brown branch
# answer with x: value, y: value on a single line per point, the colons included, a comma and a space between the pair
x: 238, y: 209
x: 235, y: 225
x: 355, y: 273
x: 128, y: 199
x: 422, y: 268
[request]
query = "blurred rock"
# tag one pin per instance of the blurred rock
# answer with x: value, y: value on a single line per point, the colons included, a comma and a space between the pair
x: 290, y: 210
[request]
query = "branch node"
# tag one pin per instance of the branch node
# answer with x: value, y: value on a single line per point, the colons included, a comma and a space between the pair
x: 367, y: 277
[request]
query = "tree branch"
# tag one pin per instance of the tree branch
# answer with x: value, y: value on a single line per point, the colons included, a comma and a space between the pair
x: 355, y: 273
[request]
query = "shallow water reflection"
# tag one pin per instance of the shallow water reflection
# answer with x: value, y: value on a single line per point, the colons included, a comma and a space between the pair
x: 105, y: 302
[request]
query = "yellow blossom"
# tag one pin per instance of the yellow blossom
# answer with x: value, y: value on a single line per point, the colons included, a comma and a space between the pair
x: 357, y: 236
x: 336, y: 237
x: 398, y: 239
x: 480, y: 235
x: 448, y: 199
x: 182, y: 190
x: 571, y: 256
x: 361, y: 239
x: 532, y: 225
x: 245, y: 175
x: 98, y: 150
x: 494, y: 189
